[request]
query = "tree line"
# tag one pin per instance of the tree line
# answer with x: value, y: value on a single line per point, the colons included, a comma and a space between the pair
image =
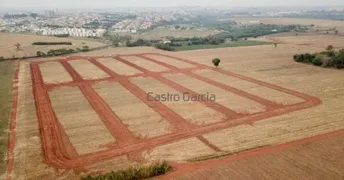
x: 61, y: 51
x: 328, y: 58
x: 52, y: 43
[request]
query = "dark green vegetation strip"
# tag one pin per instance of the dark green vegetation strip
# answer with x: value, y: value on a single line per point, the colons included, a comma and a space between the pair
x: 210, y: 46
x: 52, y: 43
x: 133, y: 173
x: 327, y: 59
x: 7, y: 70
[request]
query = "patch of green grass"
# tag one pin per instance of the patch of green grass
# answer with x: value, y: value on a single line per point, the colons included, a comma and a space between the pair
x: 186, y: 47
x: 133, y: 173
x: 7, y: 70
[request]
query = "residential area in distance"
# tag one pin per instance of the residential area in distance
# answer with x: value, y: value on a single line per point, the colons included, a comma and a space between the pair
x: 179, y: 90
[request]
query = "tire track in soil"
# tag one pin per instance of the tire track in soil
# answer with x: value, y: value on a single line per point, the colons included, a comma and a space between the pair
x: 209, y: 144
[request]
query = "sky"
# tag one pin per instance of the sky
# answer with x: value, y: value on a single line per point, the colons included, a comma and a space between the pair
x: 162, y: 3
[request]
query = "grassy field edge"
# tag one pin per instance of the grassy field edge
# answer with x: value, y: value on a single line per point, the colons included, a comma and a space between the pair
x: 7, y: 71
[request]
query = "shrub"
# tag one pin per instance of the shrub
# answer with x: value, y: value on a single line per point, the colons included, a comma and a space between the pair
x: 85, y: 48
x: 40, y: 54
x: 317, y: 62
x: 2, y: 59
x: 165, y: 47
x: 305, y: 58
x: 330, y: 53
x: 216, y: 62
x: 299, y: 57
x: 308, y: 58
x: 338, y: 60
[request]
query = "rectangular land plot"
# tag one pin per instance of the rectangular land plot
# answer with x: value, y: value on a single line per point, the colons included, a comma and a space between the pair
x: 170, y: 61
x: 87, y: 70
x: 226, y: 98
x: 150, y: 66
x: 85, y: 129
x: 53, y: 72
x: 195, y: 112
x: 179, y: 151
x: 118, y: 67
x: 140, y: 119
x: 252, y: 88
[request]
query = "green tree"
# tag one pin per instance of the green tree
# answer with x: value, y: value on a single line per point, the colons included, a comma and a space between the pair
x: 2, y: 58
x: 216, y: 62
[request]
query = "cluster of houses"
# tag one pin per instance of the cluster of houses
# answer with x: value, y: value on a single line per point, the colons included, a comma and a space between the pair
x: 77, y: 32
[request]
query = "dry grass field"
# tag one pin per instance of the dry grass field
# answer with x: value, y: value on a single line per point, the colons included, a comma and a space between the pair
x: 8, y: 40
x: 94, y: 117
x: 163, y: 32
x: 287, y: 21
x: 320, y: 41
x: 307, y: 161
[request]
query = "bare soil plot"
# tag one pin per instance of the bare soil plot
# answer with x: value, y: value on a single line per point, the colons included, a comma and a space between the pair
x: 237, y: 103
x: 8, y: 40
x: 252, y: 88
x: 140, y: 119
x: 53, y: 72
x: 179, y: 151
x: 122, y: 106
x: 118, y: 67
x: 170, y: 61
x: 82, y: 125
x: 151, y: 66
x: 87, y: 70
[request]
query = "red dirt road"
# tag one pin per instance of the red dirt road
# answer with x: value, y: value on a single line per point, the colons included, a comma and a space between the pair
x: 60, y: 153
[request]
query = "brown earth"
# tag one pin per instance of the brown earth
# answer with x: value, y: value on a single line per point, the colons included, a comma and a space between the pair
x: 279, y: 122
x: 8, y: 40
x: 314, y: 159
